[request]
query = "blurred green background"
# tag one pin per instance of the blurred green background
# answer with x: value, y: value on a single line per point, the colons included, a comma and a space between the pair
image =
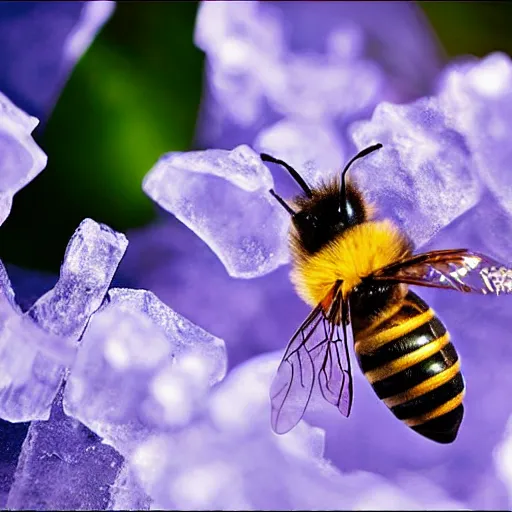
x: 135, y: 95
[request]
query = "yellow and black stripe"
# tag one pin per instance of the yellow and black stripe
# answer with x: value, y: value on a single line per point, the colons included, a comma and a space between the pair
x: 412, y: 366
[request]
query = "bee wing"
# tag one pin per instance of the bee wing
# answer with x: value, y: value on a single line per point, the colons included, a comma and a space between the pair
x: 292, y: 386
x: 315, y: 349
x: 335, y: 375
x: 453, y: 269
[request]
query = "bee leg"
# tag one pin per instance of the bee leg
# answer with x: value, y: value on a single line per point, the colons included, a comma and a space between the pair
x: 282, y: 202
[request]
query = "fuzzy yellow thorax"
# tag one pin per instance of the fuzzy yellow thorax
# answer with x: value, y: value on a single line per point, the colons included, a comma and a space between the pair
x: 353, y: 255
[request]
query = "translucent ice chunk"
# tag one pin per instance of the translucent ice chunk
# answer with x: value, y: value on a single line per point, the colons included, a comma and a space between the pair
x: 478, y: 95
x: 21, y: 159
x: 91, y: 259
x: 38, y: 346
x: 141, y: 366
x: 63, y: 466
x: 223, y: 197
x: 235, y: 462
x: 425, y: 176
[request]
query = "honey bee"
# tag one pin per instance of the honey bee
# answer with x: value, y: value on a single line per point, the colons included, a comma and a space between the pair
x: 355, y: 272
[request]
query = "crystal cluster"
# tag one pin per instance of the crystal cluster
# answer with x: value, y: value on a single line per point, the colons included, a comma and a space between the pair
x: 127, y: 399
x: 120, y: 365
x: 141, y: 367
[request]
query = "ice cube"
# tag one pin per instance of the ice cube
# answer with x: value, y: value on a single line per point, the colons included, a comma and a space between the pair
x: 223, y: 197
x: 63, y: 466
x: 21, y: 158
x: 141, y: 367
x: 425, y: 175
x: 37, y: 347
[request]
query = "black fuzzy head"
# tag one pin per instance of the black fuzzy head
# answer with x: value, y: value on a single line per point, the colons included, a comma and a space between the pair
x: 324, y: 212
x: 324, y: 216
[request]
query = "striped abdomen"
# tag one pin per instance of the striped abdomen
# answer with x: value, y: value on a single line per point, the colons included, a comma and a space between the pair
x: 415, y: 370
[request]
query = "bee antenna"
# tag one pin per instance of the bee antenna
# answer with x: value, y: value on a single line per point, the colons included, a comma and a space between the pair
x: 282, y: 202
x: 295, y: 175
x: 359, y: 155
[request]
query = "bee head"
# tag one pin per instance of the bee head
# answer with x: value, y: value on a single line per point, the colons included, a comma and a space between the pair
x: 323, y: 216
x: 326, y: 211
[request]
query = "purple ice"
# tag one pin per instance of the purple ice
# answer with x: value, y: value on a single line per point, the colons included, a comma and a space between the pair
x: 312, y: 148
x: 424, y: 163
x: 63, y: 466
x: 38, y: 346
x: 266, y: 60
x: 141, y: 367
x: 41, y: 42
x: 232, y: 460
x: 21, y: 158
x: 126, y: 493
x: 478, y: 95
x: 223, y: 197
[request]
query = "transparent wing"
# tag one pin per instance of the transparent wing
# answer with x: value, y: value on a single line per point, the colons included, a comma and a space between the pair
x: 335, y: 375
x: 318, y: 349
x: 457, y: 269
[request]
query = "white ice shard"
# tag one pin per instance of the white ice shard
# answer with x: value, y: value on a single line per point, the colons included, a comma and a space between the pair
x: 141, y: 367
x: 37, y: 347
x: 223, y: 197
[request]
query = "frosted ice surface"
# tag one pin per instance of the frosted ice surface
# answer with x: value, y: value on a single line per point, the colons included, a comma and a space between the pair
x: 63, y: 466
x: 425, y: 176
x: 312, y: 148
x: 191, y: 345
x: 478, y: 96
x: 21, y: 158
x: 38, y: 346
x: 126, y: 493
x: 141, y: 367
x: 91, y: 259
x: 223, y: 197
x: 234, y: 461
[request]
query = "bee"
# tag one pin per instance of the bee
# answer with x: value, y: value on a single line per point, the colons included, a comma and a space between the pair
x: 355, y: 273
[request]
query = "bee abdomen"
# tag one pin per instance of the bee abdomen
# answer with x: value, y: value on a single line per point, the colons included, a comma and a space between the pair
x: 415, y: 370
